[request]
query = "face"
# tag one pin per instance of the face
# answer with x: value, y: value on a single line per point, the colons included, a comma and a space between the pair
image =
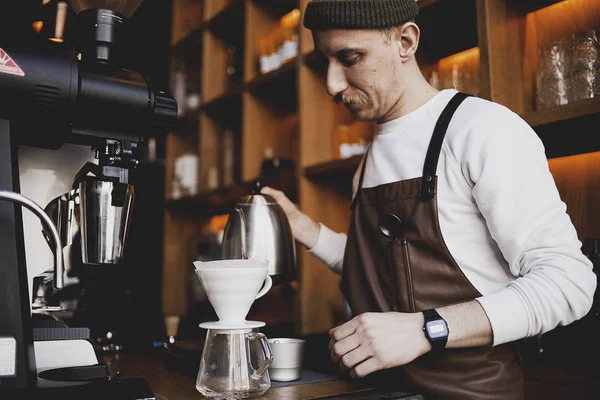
x: 363, y: 70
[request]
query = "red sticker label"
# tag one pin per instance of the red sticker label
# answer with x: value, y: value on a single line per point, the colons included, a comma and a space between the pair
x: 8, y: 66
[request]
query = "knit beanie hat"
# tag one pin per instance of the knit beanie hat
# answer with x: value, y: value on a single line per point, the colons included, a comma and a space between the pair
x: 358, y: 14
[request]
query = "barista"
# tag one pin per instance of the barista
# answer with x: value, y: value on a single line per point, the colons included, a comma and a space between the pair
x: 459, y: 243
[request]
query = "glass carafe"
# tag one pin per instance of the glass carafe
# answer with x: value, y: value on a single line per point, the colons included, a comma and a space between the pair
x: 234, y: 364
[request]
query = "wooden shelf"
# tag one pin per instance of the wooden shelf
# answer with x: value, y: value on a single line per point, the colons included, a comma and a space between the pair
x: 216, y: 202
x: 569, y: 129
x: 227, y: 12
x: 223, y: 200
x: 229, y: 22
x: 338, y: 172
x: 562, y: 113
x: 224, y: 107
x: 533, y: 5
x: 277, y: 88
x: 277, y: 8
x: 287, y: 69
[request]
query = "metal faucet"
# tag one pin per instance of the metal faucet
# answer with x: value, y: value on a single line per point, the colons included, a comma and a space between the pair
x: 39, y: 212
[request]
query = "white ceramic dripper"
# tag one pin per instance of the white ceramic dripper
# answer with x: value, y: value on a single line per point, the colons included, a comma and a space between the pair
x: 232, y: 286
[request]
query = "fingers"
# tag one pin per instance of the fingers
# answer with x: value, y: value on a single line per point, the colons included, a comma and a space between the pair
x: 343, y: 347
x: 365, y: 368
x: 353, y: 357
x: 278, y: 195
x: 345, y: 330
x: 281, y: 198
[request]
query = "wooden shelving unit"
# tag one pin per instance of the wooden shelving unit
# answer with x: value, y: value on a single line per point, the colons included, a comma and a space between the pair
x: 290, y: 112
x: 227, y: 103
x: 286, y: 72
x: 221, y: 12
x: 563, y: 113
x: 221, y: 201
x: 533, y: 5
x: 338, y: 173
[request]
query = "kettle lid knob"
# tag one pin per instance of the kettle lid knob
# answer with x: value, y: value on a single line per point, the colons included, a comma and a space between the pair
x: 257, y: 187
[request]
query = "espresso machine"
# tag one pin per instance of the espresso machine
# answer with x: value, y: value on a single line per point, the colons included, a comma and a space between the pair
x: 50, y: 95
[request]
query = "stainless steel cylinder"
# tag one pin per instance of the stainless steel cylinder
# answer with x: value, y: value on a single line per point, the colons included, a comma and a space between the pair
x: 105, y: 219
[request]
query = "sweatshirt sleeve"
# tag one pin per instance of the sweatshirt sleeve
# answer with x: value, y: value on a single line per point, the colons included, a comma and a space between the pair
x: 515, y: 191
x: 330, y: 248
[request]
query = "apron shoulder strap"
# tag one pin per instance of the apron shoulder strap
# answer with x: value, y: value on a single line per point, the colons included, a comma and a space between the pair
x: 435, y: 147
x: 361, y: 177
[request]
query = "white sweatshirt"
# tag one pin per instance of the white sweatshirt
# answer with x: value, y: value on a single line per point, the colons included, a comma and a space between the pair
x: 500, y: 213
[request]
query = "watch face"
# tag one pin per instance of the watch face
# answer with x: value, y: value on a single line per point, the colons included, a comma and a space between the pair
x: 436, y: 329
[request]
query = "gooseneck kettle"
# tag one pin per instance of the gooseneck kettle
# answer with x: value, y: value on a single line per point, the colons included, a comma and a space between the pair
x: 258, y: 228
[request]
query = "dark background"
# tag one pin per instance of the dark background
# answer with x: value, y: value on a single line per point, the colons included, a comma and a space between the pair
x: 145, y: 48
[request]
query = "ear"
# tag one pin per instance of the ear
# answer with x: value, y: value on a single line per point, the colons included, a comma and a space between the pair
x: 406, y: 38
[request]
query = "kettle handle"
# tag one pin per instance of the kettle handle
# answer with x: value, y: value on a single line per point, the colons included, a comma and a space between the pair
x: 266, y: 349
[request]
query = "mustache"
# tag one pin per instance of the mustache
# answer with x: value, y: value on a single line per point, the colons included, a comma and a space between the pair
x: 350, y: 99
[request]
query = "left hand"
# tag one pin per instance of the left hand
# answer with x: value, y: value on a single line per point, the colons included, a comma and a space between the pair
x: 374, y: 341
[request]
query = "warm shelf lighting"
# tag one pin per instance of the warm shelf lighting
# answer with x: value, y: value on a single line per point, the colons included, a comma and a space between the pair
x: 218, y: 222
x: 37, y: 26
x: 470, y: 56
x: 291, y: 19
x: 553, y: 7
x: 561, y: 20
x: 459, y: 71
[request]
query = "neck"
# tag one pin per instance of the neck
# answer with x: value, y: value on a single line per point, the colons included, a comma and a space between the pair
x: 415, y: 93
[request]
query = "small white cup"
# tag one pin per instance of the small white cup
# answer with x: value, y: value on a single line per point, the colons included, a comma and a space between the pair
x: 288, y: 355
x: 186, y: 173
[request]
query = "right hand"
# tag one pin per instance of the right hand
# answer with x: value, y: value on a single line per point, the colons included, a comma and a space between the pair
x: 304, y: 229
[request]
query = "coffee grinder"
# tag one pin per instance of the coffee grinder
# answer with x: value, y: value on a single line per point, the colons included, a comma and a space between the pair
x: 51, y: 95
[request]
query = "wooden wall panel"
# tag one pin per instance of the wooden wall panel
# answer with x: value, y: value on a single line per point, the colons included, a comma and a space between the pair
x: 501, y: 53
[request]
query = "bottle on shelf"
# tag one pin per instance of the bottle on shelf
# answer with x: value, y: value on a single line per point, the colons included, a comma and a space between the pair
x: 276, y: 171
x: 351, y: 140
x: 280, y: 45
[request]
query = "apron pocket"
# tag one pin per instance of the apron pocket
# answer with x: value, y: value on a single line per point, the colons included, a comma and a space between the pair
x: 401, y: 275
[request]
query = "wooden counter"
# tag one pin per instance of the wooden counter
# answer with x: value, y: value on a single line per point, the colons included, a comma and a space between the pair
x: 170, y: 385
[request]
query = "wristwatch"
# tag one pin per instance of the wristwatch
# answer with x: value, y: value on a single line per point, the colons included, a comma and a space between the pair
x: 436, y: 330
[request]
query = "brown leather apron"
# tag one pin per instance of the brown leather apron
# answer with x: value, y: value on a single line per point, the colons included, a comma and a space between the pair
x: 413, y: 271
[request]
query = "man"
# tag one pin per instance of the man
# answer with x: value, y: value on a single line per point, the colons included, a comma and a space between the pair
x: 458, y: 243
